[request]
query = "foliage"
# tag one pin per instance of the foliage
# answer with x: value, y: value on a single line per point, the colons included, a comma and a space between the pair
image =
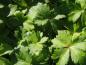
x: 42, y: 32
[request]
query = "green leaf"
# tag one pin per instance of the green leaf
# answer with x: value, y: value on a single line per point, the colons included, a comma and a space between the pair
x: 57, y: 52
x: 57, y: 43
x: 41, y: 22
x: 58, y: 17
x: 4, y: 61
x: 43, y: 40
x: 1, y: 21
x: 75, y: 15
x: 65, y: 36
x: 35, y: 49
x: 22, y: 63
x: 22, y: 3
x: 1, y: 5
x: 34, y: 37
x: 13, y: 9
x: 77, y: 50
x: 40, y: 10
x: 81, y: 2
x: 76, y: 27
x: 4, y: 48
x: 63, y: 58
x: 28, y: 26
x: 23, y: 55
x: 77, y: 55
x: 75, y: 36
x: 63, y: 39
x: 80, y: 46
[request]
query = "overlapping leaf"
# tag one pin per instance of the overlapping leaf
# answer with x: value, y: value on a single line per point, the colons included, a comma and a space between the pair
x: 74, y: 48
